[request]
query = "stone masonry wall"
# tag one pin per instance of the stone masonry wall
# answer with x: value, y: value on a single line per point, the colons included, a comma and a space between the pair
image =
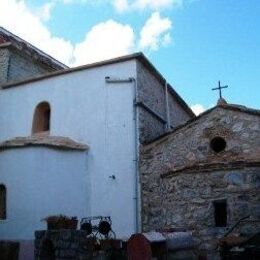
x: 71, y: 244
x: 66, y: 244
x: 14, y: 66
x: 150, y: 127
x: 176, y: 113
x: 152, y: 93
x: 4, y: 65
x: 22, y: 67
x: 181, y: 175
x: 188, y: 201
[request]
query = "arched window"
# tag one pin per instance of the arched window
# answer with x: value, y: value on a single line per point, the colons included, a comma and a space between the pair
x: 41, y: 118
x: 2, y: 201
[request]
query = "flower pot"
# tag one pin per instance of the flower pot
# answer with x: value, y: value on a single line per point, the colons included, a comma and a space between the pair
x: 61, y: 222
x: 71, y: 224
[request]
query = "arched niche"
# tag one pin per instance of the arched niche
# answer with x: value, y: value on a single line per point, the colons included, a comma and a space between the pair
x: 41, y: 118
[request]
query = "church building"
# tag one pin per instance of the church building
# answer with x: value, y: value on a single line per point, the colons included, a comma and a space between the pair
x: 113, y: 138
x: 70, y: 137
x: 204, y: 176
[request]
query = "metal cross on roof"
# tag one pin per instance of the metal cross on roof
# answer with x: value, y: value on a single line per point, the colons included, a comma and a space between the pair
x: 219, y: 88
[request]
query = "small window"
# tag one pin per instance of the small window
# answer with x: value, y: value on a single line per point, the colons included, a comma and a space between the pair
x: 41, y: 119
x: 2, y: 202
x: 218, y: 144
x: 220, y: 213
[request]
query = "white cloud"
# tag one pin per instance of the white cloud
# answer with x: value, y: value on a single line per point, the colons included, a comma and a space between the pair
x: 19, y: 19
x: 99, y: 43
x: 155, y: 32
x: 103, y: 41
x: 72, y: 1
x: 126, y: 5
x: 92, y: 2
x: 44, y: 12
x: 120, y: 5
x: 166, y: 39
x: 156, y: 4
x: 198, y: 109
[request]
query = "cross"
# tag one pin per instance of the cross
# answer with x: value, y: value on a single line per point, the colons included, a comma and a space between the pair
x: 219, y: 88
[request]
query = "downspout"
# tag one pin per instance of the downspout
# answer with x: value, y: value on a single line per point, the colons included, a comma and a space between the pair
x: 136, y: 118
x: 168, y: 126
x: 137, y: 176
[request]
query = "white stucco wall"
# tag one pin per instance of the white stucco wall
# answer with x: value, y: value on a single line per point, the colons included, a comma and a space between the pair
x: 40, y: 182
x: 87, y: 109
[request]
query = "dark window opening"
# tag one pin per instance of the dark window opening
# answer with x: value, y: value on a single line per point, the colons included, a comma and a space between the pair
x: 47, y: 115
x: 2, y: 202
x: 218, y: 144
x: 220, y: 213
x: 41, y: 119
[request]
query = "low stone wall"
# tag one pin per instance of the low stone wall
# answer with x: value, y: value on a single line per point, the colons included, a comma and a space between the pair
x: 62, y: 244
x: 76, y: 245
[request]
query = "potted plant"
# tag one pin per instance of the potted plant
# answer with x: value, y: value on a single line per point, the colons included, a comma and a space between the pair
x: 56, y: 222
x: 72, y: 223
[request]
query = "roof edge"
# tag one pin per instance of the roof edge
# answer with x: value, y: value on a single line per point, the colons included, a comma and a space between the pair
x: 29, y: 45
x: 138, y: 55
x: 240, y: 108
x: 145, y: 61
x: 57, y: 142
x: 233, y: 107
x: 69, y: 70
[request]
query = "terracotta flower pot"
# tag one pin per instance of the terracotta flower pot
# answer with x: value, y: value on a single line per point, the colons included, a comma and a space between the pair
x: 61, y: 222
x: 71, y: 224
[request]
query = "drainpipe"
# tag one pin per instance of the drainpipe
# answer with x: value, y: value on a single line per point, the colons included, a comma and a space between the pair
x: 168, y: 126
x: 137, y: 176
x: 136, y: 117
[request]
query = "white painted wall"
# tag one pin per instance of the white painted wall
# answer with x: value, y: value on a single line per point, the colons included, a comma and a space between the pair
x: 41, y: 181
x: 86, y: 109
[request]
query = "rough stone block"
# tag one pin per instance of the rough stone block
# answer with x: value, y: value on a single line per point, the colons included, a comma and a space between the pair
x: 235, y: 178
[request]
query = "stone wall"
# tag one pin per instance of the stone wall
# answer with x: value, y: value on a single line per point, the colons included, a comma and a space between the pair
x: 188, y: 145
x: 25, y: 60
x: 177, y: 114
x: 76, y: 245
x: 181, y: 176
x: 150, y: 126
x: 64, y: 244
x: 188, y: 201
x: 153, y: 111
x: 22, y: 67
x: 4, y: 65
x: 15, y: 65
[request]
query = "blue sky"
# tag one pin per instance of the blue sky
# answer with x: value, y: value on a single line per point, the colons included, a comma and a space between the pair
x: 193, y: 43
